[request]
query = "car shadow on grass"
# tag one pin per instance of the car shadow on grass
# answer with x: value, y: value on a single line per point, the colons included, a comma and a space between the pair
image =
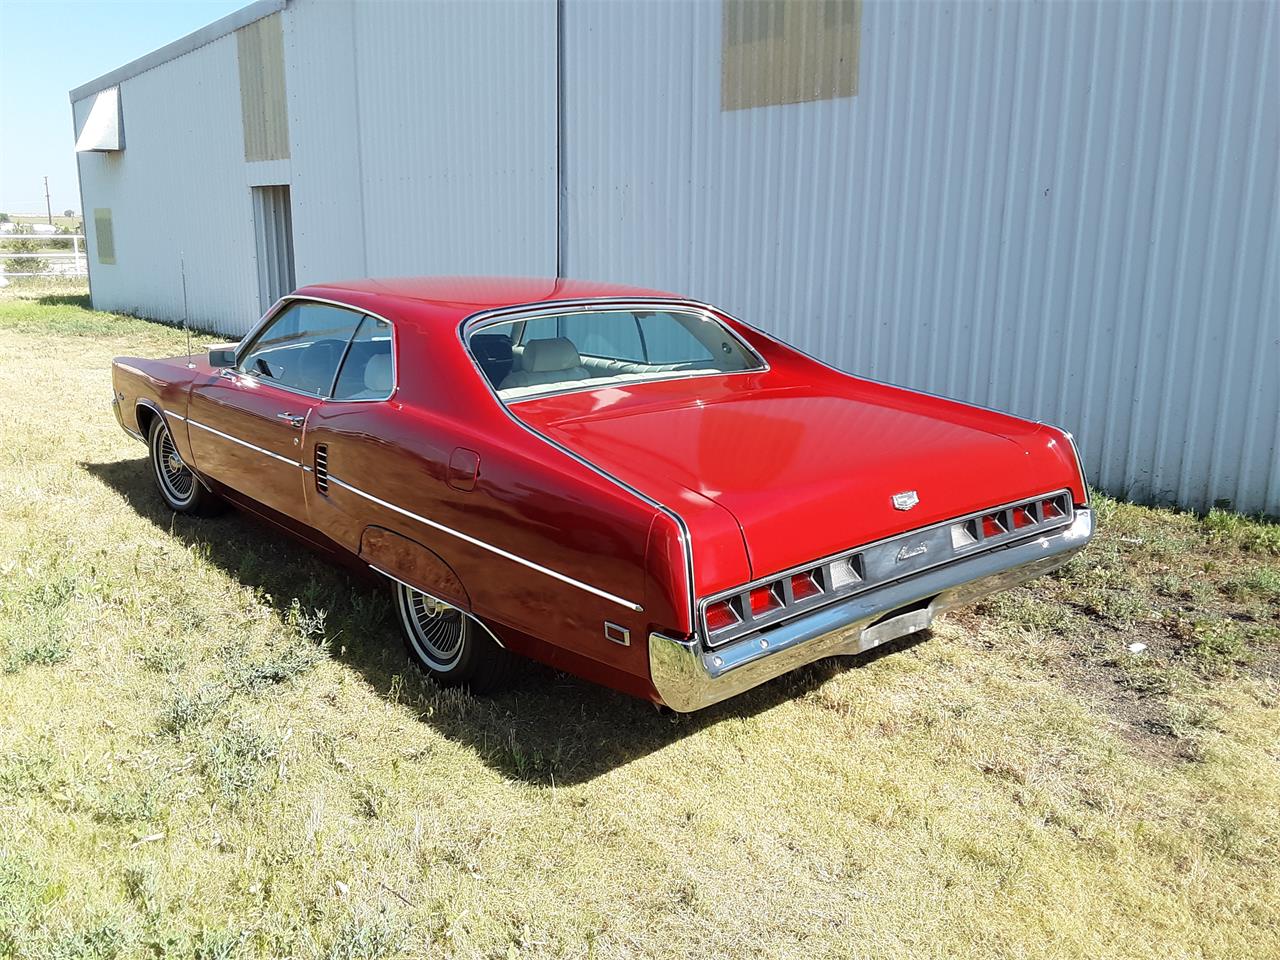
x: 549, y: 729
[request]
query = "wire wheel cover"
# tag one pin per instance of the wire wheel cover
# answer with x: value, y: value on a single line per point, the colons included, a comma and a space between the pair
x: 178, y: 481
x: 438, y: 632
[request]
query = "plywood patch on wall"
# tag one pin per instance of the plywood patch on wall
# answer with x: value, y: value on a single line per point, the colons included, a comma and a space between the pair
x: 788, y: 51
x: 263, y: 107
x: 104, y: 235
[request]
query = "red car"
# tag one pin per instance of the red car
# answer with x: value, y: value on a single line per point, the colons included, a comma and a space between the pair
x: 627, y: 485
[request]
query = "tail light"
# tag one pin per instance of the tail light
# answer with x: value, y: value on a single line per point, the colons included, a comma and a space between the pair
x: 997, y: 524
x: 759, y: 608
x: 721, y: 615
x: 763, y: 600
x: 803, y: 586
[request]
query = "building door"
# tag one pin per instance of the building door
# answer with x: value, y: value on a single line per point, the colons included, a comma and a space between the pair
x: 273, y: 226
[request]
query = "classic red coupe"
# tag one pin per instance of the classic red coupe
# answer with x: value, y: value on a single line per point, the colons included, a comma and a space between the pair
x: 627, y: 485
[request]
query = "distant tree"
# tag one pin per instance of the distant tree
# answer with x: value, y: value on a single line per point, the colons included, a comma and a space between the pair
x: 68, y: 213
x: 4, y: 218
x: 25, y: 245
x: 58, y: 243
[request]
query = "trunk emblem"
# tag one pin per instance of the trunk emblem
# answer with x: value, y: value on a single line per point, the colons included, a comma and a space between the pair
x: 905, y: 500
x: 908, y: 551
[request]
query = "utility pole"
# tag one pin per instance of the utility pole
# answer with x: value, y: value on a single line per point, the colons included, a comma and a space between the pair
x: 48, y: 207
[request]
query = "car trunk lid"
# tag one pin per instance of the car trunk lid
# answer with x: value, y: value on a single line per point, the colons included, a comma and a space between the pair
x: 805, y: 471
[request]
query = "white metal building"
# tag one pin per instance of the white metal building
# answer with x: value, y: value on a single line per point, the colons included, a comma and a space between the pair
x: 1067, y: 210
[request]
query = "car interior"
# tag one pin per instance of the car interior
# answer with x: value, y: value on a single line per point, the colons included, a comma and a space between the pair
x: 550, y: 354
x: 294, y: 356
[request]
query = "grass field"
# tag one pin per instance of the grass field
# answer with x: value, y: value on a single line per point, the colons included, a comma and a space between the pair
x: 212, y: 747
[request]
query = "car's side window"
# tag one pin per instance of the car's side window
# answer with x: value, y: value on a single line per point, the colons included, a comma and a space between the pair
x: 524, y: 358
x: 366, y: 372
x: 613, y: 336
x: 301, y: 348
x: 668, y: 340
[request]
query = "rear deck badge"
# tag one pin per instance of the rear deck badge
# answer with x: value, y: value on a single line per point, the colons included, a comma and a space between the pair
x: 908, y: 551
x: 905, y: 500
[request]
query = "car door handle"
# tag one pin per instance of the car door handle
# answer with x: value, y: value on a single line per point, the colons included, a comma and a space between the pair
x: 293, y: 418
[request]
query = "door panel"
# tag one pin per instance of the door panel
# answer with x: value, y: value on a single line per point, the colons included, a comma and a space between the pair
x: 247, y: 423
x: 248, y: 434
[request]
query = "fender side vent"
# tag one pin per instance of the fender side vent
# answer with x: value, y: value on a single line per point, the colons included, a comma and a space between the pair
x: 322, y: 468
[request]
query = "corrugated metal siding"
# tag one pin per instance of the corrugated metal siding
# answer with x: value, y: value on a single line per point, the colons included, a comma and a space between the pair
x: 424, y: 137
x: 1066, y: 210
x: 325, y: 187
x: 177, y: 191
x: 456, y: 107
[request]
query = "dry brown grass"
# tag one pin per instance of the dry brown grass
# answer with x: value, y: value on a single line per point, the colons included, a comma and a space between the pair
x: 212, y: 747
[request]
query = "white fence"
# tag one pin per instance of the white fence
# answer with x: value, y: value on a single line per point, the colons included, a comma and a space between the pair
x: 58, y: 263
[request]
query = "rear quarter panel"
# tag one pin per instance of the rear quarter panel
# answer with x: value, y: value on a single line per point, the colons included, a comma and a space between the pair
x: 529, y: 501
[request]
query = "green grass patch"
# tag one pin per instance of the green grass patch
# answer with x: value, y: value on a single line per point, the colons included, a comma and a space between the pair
x: 1250, y: 535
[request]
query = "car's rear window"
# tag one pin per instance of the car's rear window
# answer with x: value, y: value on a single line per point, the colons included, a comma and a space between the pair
x: 581, y: 349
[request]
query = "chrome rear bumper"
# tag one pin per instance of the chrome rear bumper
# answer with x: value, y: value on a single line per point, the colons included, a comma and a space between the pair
x: 689, y: 677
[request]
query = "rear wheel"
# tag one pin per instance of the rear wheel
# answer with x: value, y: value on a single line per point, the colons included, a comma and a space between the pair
x: 177, y: 484
x: 449, y: 645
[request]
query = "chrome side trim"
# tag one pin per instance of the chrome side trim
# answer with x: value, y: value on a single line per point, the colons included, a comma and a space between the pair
x: 431, y: 523
x: 162, y: 414
x: 488, y: 546
x: 245, y: 443
x: 1075, y: 451
x: 445, y: 603
x: 687, y: 677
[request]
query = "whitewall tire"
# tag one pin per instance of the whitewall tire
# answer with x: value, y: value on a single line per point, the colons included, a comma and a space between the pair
x: 451, y: 646
x: 178, y: 486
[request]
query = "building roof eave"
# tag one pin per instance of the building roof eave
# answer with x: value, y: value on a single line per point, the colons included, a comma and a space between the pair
x: 171, y: 51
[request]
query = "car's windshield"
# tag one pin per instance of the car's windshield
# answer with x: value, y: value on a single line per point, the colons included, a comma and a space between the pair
x: 587, y: 349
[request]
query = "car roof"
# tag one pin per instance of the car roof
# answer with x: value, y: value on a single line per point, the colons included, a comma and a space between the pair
x: 455, y: 298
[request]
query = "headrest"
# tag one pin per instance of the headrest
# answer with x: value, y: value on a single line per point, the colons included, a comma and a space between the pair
x: 377, y: 373
x: 549, y: 355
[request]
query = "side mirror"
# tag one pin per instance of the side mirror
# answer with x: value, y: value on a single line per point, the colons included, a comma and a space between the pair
x: 223, y: 355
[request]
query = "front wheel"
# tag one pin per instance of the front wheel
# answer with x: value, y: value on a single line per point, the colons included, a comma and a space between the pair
x: 452, y: 647
x: 177, y: 484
